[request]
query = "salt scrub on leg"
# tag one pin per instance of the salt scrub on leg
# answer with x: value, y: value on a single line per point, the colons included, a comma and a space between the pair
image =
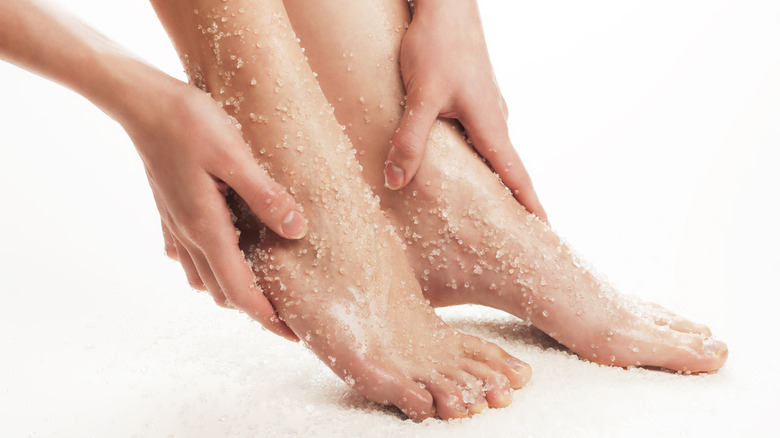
x: 467, y: 238
x: 346, y: 288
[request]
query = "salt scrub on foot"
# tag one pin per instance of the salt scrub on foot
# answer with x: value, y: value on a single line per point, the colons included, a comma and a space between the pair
x: 468, y: 239
x: 471, y: 242
x: 345, y: 288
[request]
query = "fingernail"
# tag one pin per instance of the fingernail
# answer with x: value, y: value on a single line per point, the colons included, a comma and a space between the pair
x: 294, y: 225
x: 715, y: 347
x: 394, y: 176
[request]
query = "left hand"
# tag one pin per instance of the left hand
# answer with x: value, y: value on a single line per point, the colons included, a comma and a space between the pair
x: 446, y: 70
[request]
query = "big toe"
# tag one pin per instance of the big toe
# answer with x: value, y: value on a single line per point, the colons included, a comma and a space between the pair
x: 676, y: 322
x: 698, y: 354
x: 687, y: 326
x: 683, y: 352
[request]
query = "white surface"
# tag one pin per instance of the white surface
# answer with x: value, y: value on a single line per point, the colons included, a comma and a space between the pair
x: 651, y: 130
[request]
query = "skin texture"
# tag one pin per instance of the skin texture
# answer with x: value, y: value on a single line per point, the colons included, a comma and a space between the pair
x: 447, y: 73
x: 467, y: 238
x: 346, y: 289
x: 190, y: 151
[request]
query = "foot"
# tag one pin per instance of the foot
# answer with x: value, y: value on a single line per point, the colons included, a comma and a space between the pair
x: 346, y: 290
x: 471, y: 242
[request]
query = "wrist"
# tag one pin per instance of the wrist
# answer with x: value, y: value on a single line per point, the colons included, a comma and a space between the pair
x: 124, y: 87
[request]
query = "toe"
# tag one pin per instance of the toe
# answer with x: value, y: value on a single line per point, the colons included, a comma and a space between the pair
x: 478, y: 406
x: 516, y: 371
x: 496, y: 385
x: 414, y: 401
x: 675, y: 351
x: 687, y: 326
x: 471, y: 387
x: 387, y: 387
x: 447, y: 396
x: 676, y: 322
x: 697, y: 354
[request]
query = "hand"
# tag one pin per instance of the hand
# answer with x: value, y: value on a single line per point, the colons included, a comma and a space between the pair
x: 190, y: 151
x: 447, y: 72
x: 192, y: 154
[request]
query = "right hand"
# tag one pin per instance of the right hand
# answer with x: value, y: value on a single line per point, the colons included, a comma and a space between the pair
x: 192, y: 154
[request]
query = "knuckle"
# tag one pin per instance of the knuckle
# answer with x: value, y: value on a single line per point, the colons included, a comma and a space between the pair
x: 196, y: 283
x: 234, y: 299
x: 427, y: 93
x: 405, y: 145
x: 219, y: 156
x: 221, y: 301
x: 504, y: 108
x: 196, y: 228
x: 170, y: 247
x: 225, y: 157
x: 496, y: 148
x: 270, y: 200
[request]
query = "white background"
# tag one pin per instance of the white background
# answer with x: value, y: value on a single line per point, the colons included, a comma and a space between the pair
x: 650, y: 128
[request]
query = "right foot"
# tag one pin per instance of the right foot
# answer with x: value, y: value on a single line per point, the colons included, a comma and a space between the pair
x: 466, y: 236
x: 471, y: 242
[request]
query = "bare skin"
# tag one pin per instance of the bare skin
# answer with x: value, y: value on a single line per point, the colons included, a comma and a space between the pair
x: 345, y: 289
x: 467, y: 238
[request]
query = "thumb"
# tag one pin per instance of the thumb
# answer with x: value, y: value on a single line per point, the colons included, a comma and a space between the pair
x: 408, y: 145
x: 272, y: 204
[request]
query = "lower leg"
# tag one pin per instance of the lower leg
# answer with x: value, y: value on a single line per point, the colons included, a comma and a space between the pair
x: 467, y: 238
x: 346, y: 288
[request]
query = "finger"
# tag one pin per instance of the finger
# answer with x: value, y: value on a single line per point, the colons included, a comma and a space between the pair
x: 189, y: 268
x: 168, y: 238
x: 206, y: 274
x: 408, y: 144
x: 489, y: 134
x: 271, y: 202
x: 170, y: 246
x: 237, y: 281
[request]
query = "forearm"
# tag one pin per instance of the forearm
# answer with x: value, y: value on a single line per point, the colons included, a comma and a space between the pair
x: 57, y: 46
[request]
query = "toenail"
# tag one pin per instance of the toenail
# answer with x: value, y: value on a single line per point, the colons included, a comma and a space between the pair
x: 715, y: 347
x: 478, y: 406
x: 504, y: 400
x: 516, y: 364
